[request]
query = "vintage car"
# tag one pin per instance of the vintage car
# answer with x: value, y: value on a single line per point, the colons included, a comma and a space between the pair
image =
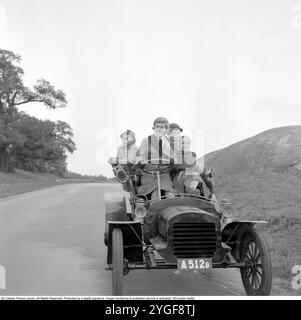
x: 186, y: 232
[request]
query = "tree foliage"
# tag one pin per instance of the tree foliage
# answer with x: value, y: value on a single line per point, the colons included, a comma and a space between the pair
x: 13, y: 92
x: 25, y: 141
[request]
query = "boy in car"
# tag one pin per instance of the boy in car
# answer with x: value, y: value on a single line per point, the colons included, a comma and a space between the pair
x: 155, y: 149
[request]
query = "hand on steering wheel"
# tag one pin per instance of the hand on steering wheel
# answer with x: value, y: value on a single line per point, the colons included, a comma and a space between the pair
x: 162, y: 167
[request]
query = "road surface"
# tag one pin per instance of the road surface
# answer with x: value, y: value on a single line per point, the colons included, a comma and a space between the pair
x: 51, y: 243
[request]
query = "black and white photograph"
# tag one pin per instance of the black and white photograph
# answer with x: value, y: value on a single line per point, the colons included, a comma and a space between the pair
x: 150, y: 149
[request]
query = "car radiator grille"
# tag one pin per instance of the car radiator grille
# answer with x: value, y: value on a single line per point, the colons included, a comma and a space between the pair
x: 194, y: 240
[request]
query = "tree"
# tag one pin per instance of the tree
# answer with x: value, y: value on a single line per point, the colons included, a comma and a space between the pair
x: 10, y: 139
x: 46, y: 144
x: 13, y: 93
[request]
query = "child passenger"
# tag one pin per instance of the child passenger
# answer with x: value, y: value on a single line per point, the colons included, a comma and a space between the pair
x: 191, y: 179
x: 127, y: 151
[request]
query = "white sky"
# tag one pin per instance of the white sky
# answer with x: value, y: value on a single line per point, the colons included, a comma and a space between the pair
x: 229, y: 69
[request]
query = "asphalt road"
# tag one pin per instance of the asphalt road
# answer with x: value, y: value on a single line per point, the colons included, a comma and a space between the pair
x: 51, y: 243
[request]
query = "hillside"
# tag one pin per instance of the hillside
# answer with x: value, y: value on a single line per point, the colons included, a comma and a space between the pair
x: 277, y: 149
x: 262, y: 175
x: 24, y: 181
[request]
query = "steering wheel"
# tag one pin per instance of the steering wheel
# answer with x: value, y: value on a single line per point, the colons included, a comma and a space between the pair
x: 148, y: 167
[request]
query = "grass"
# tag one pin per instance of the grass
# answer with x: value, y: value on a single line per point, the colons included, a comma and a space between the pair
x: 275, y: 198
x: 23, y: 181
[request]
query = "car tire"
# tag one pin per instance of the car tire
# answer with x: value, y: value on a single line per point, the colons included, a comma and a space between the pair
x: 257, y: 274
x: 117, y: 262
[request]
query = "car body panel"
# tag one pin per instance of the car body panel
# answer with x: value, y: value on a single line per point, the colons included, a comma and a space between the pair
x: 160, y: 205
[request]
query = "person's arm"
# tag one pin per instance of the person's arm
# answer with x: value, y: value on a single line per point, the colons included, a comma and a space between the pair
x: 209, y: 184
x: 114, y: 160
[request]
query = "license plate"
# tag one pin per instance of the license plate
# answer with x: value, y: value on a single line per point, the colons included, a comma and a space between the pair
x: 195, y: 264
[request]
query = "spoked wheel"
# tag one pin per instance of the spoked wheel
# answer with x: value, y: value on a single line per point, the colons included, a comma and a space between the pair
x: 257, y: 274
x: 117, y: 261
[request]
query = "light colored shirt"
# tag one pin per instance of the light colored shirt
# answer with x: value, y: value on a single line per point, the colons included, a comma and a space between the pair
x: 126, y: 154
x: 150, y: 149
x: 177, y: 149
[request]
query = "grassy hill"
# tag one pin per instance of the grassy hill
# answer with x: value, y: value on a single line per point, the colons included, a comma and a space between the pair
x: 23, y: 181
x: 262, y: 175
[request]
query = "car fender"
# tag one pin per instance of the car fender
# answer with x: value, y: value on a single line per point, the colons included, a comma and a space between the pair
x: 116, y: 206
x: 116, y: 209
x: 234, y: 230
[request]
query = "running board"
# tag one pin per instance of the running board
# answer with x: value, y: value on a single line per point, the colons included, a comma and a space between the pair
x: 159, y: 242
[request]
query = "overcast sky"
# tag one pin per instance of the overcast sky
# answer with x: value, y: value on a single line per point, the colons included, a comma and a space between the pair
x: 226, y: 69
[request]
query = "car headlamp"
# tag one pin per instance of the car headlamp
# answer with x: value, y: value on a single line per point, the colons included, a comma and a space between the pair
x: 121, y: 175
x: 227, y: 208
x: 140, y: 211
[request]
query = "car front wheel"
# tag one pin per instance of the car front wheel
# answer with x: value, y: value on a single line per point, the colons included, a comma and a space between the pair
x: 117, y: 261
x: 257, y: 273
